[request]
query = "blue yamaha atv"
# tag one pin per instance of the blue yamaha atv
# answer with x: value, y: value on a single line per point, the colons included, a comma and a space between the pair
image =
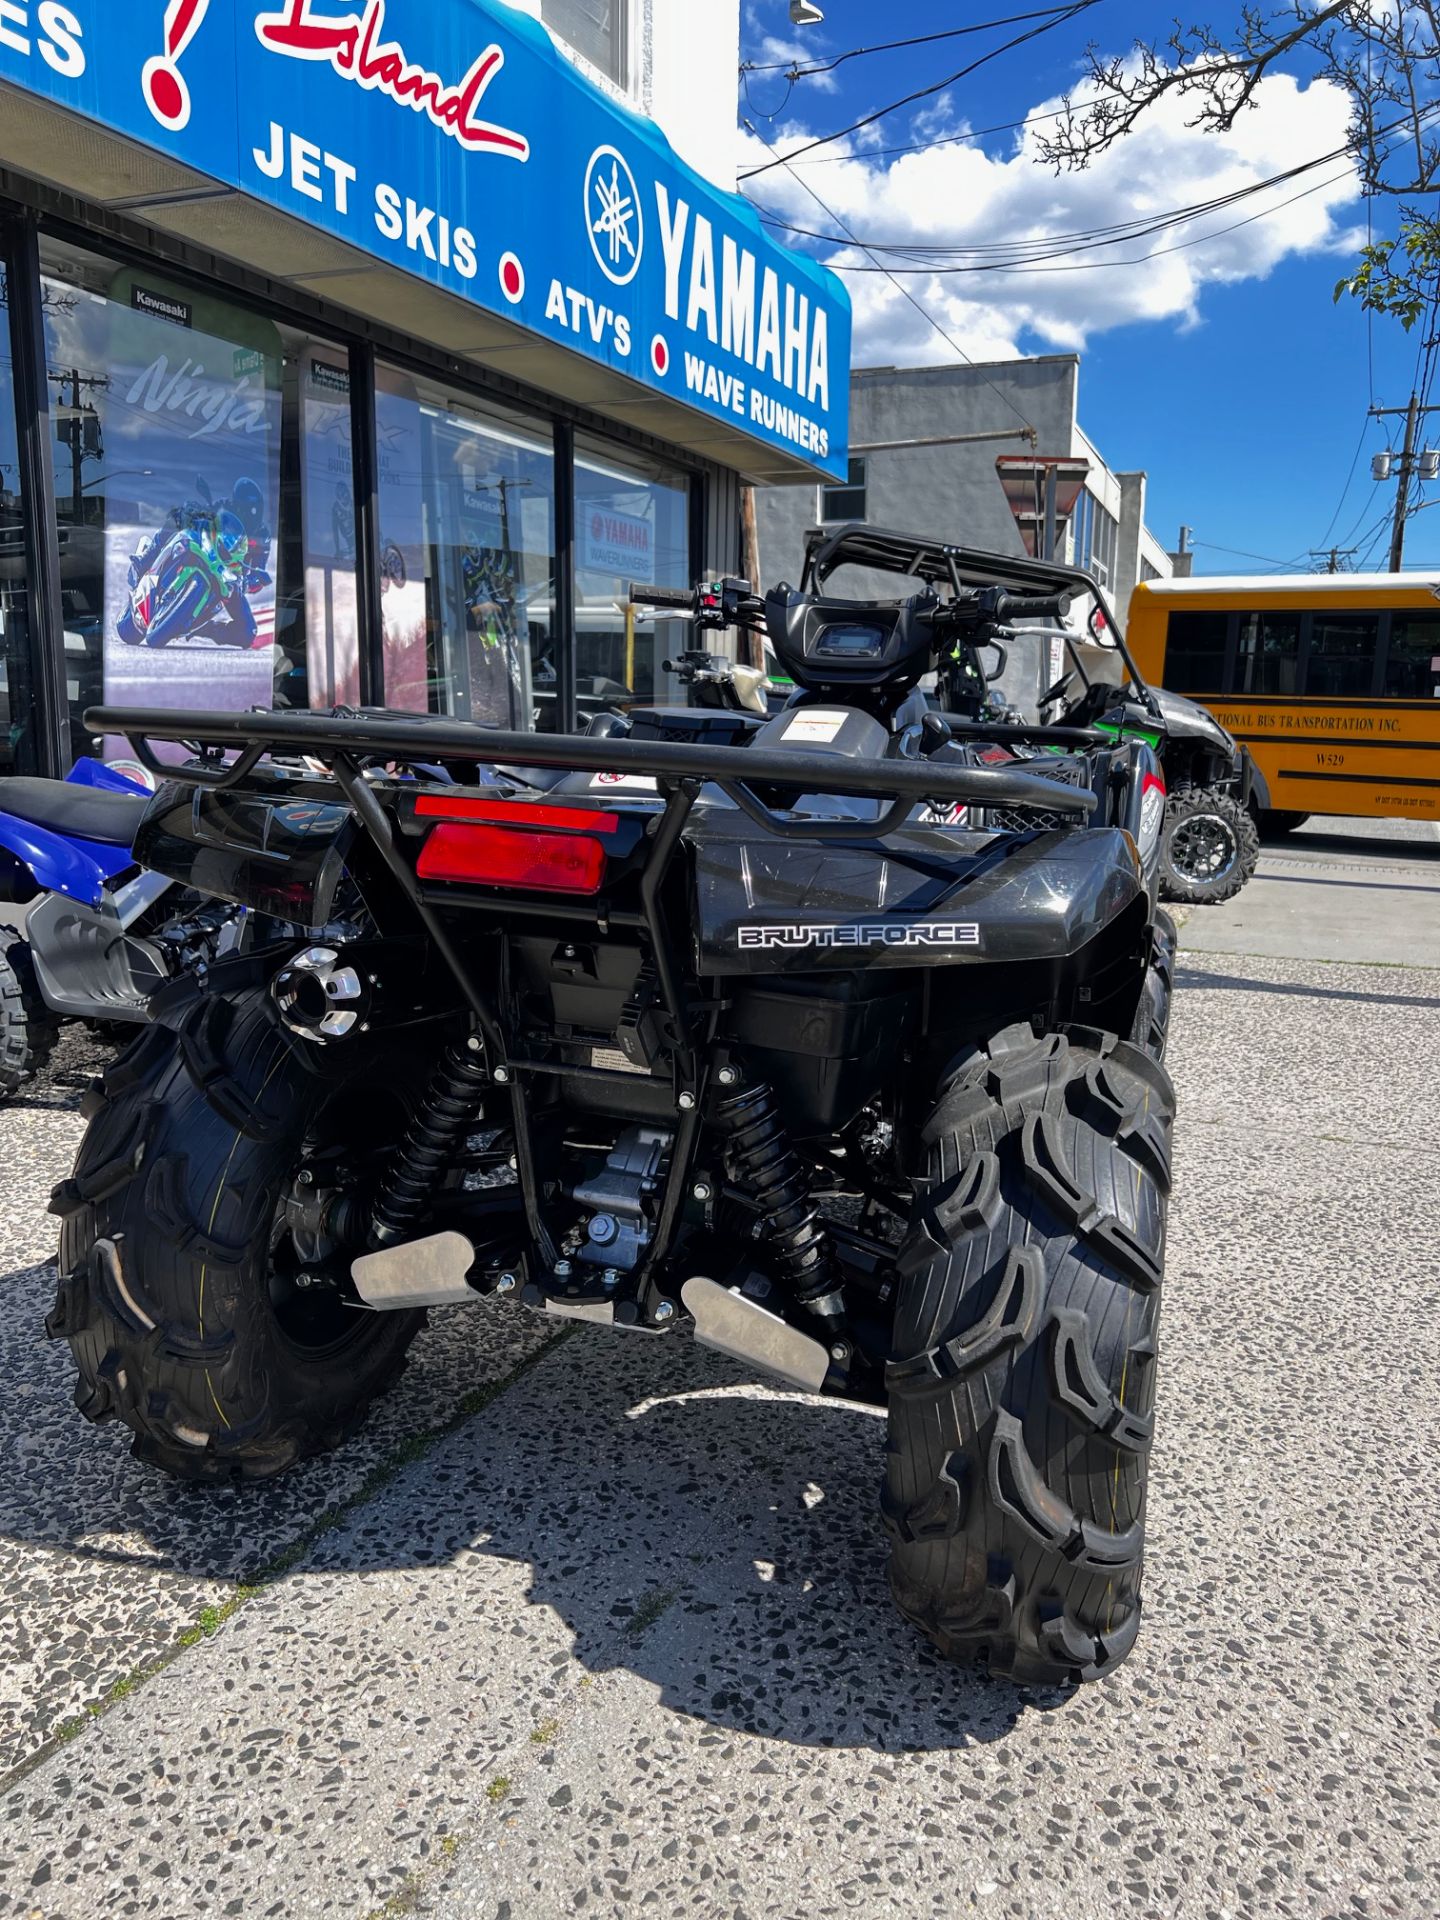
x: 830, y: 1039
x: 100, y: 935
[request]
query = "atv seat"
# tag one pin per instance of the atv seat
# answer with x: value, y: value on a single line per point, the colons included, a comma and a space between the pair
x: 81, y: 813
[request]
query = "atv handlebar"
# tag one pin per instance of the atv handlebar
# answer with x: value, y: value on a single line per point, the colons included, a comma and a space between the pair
x: 988, y: 609
x: 678, y: 599
x: 406, y: 739
x: 714, y: 603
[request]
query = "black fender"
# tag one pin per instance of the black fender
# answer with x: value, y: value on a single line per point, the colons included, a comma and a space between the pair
x: 926, y: 897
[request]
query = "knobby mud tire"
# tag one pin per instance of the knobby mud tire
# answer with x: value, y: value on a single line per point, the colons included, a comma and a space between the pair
x: 1194, y: 804
x: 28, y: 1029
x: 1151, y: 1029
x: 1022, y: 1392
x: 195, y: 1133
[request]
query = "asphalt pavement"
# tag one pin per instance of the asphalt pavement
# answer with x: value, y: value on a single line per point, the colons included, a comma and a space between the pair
x: 1357, y: 890
x: 595, y: 1625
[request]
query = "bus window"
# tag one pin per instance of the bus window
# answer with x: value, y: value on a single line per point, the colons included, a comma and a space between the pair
x: 1341, y: 661
x: 1195, y: 652
x: 1269, y: 653
x: 1413, y: 669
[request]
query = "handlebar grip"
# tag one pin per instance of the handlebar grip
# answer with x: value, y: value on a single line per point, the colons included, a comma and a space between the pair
x: 680, y: 598
x: 1018, y: 606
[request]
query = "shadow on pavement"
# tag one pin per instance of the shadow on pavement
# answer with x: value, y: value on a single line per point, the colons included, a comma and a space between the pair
x: 1357, y: 846
x: 1294, y: 990
x: 714, y: 1539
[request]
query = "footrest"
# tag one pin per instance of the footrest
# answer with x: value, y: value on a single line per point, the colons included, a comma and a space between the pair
x: 423, y: 1273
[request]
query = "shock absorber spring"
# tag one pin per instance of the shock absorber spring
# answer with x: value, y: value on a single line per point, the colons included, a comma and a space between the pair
x: 445, y: 1118
x: 766, y: 1166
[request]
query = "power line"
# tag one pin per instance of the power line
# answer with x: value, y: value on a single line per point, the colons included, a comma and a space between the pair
x: 1059, y: 244
x: 1070, y: 12
x: 1349, y: 482
x: 931, y: 146
x: 1092, y: 239
x: 903, y: 290
x: 1240, y: 554
x: 889, y: 46
x: 1037, y: 266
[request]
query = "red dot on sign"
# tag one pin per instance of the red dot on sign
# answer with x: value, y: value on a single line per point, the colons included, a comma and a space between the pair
x: 512, y: 279
x: 165, y: 94
x: 660, y: 354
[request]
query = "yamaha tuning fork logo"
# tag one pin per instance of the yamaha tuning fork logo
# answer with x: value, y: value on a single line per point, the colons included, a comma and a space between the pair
x: 613, y: 216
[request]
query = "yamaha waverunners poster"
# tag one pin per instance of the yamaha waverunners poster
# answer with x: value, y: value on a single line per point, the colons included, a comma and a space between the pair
x: 193, y: 424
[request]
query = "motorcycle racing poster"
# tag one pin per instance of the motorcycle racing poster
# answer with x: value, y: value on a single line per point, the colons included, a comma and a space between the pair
x: 332, y: 620
x: 192, y: 425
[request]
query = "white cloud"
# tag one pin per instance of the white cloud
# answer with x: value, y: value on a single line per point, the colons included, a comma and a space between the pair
x: 960, y: 196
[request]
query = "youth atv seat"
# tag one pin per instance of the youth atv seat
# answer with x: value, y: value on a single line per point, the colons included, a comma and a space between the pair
x: 82, y: 813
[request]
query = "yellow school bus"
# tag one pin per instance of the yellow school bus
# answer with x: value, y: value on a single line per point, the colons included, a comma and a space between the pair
x: 1331, y: 680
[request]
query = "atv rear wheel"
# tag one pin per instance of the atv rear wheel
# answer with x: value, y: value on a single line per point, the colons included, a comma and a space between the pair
x: 181, y: 1292
x: 1208, y: 848
x: 28, y: 1029
x: 1021, y: 1394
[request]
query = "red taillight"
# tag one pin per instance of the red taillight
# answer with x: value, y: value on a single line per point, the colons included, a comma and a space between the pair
x: 502, y: 856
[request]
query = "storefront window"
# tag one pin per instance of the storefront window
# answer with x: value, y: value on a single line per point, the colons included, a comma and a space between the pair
x: 632, y: 525
x: 467, y: 530
x: 203, y: 493
x: 595, y: 29
x: 19, y: 749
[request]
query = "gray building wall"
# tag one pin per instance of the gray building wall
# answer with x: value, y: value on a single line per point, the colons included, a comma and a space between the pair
x: 950, y: 492
x: 954, y: 492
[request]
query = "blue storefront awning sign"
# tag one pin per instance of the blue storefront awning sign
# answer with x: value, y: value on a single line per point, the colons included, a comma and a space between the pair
x: 450, y: 139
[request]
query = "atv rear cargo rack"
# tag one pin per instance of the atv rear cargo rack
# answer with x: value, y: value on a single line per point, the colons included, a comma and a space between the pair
x: 407, y: 739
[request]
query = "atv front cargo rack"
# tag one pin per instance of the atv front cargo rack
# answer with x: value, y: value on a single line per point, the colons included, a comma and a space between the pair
x: 387, y: 738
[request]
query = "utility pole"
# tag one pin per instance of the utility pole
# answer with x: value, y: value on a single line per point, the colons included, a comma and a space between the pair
x: 1332, y: 556
x: 1413, y: 415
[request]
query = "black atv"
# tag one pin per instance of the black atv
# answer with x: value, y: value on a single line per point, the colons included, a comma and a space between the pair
x: 832, y: 1038
x: 1211, y: 841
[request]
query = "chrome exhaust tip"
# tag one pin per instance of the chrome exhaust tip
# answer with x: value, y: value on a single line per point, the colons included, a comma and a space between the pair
x: 319, y: 996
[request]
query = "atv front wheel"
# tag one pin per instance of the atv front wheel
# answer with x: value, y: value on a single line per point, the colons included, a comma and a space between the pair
x: 184, y: 1292
x: 1151, y: 1028
x: 1208, y: 849
x: 28, y: 1029
x: 1021, y: 1394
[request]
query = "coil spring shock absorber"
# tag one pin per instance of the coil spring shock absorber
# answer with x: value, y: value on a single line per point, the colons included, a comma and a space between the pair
x: 443, y: 1122
x: 763, y: 1162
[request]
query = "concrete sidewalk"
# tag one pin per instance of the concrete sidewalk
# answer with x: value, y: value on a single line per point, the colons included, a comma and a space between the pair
x: 618, y: 1639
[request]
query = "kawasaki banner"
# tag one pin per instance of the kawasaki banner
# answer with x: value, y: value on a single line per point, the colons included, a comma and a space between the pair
x: 449, y: 138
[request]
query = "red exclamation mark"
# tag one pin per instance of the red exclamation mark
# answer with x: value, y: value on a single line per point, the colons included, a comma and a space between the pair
x: 162, y: 82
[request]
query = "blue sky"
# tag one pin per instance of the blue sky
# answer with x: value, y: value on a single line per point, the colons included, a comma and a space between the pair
x: 1225, y: 370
